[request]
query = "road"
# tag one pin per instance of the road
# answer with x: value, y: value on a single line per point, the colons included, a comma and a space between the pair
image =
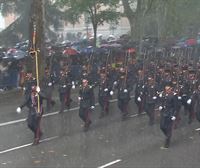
x: 110, y: 142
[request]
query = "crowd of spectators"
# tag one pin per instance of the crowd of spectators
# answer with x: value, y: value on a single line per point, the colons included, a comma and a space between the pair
x: 10, y: 74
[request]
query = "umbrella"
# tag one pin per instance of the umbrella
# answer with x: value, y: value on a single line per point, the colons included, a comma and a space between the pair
x: 14, y: 54
x: 19, y: 55
x: 70, y: 51
x: 131, y: 50
x: 191, y: 42
x: 87, y: 50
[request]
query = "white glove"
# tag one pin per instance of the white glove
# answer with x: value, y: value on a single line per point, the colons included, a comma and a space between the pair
x: 24, y: 88
x: 189, y: 101
x: 49, y: 84
x: 115, y: 83
x: 111, y: 92
x: 73, y: 86
x: 38, y: 89
x: 125, y: 90
x: 173, y: 118
x: 106, y: 89
x: 79, y: 98
x: 64, y: 86
x: 18, y: 110
x: 154, y: 98
x: 160, y: 95
x: 160, y: 108
x: 92, y: 107
x: 179, y: 98
x: 73, y: 83
x: 139, y: 99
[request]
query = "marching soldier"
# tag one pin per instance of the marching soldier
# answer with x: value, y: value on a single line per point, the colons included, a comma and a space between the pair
x: 139, y: 92
x: 123, y: 95
x: 35, y: 113
x: 64, y: 89
x: 166, y: 79
x: 167, y: 110
x: 192, y: 84
x: 47, y: 87
x: 29, y: 82
x: 176, y: 90
x: 197, y: 105
x: 87, y: 103
x: 150, y: 94
x: 104, y: 94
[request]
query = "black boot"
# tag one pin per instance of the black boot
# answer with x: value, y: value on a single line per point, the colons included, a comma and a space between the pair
x: 167, y: 143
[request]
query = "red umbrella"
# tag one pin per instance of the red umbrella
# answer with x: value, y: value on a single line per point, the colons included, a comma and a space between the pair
x: 131, y: 50
x: 70, y: 51
x: 191, y: 42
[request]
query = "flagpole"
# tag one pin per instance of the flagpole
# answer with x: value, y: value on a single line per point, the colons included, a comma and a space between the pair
x: 35, y: 52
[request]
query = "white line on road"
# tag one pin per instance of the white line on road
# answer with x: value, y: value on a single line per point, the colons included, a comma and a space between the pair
x: 23, y: 146
x: 198, y: 129
x: 51, y: 138
x: 46, y: 115
x: 111, y: 163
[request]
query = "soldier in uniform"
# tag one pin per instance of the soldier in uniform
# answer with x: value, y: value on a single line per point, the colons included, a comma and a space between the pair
x: 176, y: 89
x: 192, y: 86
x: 47, y: 87
x: 167, y: 110
x: 197, y: 105
x: 139, y: 92
x: 150, y: 94
x: 123, y: 94
x: 166, y: 79
x: 35, y: 112
x: 87, y: 103
x: 29, y: 82
x: 64, y: 88
x: 104, y: 94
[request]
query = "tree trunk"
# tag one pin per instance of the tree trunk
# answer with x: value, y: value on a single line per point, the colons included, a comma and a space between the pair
x: 37, y: 19
x: 130, y: 16
x: 95, y: 34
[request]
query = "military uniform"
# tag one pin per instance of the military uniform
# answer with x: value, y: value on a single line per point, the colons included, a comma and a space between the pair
x: 29, y: 82
x: 150, y: 96
x: 168, y: 110
x: 104, y: 95
x: 139, y: 95
x: 48, y: 87
x: 123, y: 95
x: 35, y: 114
x: 87, y: 102
x: 188, y: 100
x: 64, y: 89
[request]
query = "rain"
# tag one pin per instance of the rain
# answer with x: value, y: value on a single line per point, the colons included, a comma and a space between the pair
x: 99, y: 83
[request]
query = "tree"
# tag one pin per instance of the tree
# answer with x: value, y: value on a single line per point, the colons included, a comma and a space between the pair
x: 22, y: 9
x: 99, y: 11
x: 135, y: 11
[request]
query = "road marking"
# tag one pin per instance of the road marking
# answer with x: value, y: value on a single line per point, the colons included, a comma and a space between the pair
x: 198, y: 129
x: 49, y: 114
x: 111, y: 163
x: 135, y: 115
x: 26, y: 145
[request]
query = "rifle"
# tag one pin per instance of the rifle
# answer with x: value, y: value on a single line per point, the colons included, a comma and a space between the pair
x: 127, y: 55
x: 107, y: 59
x: 90, y: 62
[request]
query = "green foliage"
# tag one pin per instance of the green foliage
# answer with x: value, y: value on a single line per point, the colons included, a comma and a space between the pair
x: 99, y: 11
x: 165, y: 18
